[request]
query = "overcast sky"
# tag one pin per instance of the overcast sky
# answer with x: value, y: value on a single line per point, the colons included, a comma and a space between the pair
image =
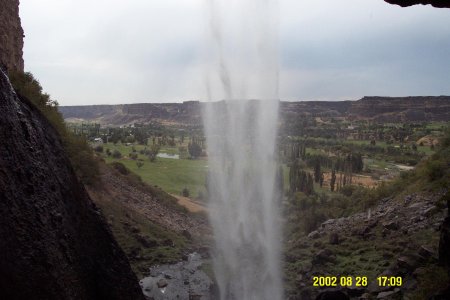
x: 115, y: 51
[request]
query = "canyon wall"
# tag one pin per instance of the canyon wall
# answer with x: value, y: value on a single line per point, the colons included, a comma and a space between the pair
x: 11, y: 36
x: 54, y: 243
x: 382, y: 109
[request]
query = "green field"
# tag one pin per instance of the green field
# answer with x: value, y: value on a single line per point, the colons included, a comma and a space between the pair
x: 172, y: 175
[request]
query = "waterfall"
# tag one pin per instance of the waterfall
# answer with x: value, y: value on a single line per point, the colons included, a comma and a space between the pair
x: 241, y: 134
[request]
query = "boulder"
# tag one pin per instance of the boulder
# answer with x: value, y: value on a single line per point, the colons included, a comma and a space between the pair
x: 145, y: 241
x: 407, y: 263
x: 332, y: 295
x: 186, y: 234
x: 322, y: 256
x: 334, y: 238
x: 391, y: 295
x: 354, y: 291
x: 430, y: 211
x: 425, y: 252
x: 391, y: 225
x: 162, y: 283
x: 364, y: 296
x: 314, y: 234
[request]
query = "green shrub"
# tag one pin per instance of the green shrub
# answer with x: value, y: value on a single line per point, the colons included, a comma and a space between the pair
x: 82, y: 159
x: 153, y: 152
x: 435, y: 170
x: 120, y: 167
x: 116, y: 154
x: 99, y: 148
x: 347, y: 190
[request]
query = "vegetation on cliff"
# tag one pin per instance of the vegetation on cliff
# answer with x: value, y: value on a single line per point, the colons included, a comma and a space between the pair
x: 80, y: 154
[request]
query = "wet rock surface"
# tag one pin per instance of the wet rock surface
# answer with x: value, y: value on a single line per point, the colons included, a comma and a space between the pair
x: 183, y: 280
x: 54, y: 243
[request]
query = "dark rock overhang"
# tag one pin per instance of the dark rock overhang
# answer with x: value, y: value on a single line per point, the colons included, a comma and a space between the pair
x: 435, y: 3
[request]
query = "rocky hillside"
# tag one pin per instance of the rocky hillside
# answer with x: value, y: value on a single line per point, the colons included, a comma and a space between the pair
x: 397, y: 238
x: 386, y: 109
x: 54, y: 243
x: 148, y: 223
x: 401, y: 109
x: 11, y: 36
x: 184, y: 113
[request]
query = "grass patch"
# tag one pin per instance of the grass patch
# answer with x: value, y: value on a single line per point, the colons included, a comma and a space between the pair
x: 172, y: 175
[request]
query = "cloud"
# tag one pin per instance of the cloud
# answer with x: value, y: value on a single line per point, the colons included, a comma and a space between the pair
x: 365, y: 48
x: 112, y: 51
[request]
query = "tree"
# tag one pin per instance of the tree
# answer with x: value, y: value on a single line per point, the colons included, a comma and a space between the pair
x: 194, y: 148
x: 130, y: 139
x: 309, y: 188
x: 182, y: 151
x: 317, y: 171
x: 333, y: 179
x: 116, y: 154
x: 280, y: 182
x: 358, y: 163
x: 153, y: 152
x: 99, y: 148
x: 299, y: 180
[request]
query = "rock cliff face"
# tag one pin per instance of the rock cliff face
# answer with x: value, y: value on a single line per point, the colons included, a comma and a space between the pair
x: 11, y: 36
x: 384, y: 109
x: 435, y: 3
x: 402, y: 109
x: 54, y: 244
